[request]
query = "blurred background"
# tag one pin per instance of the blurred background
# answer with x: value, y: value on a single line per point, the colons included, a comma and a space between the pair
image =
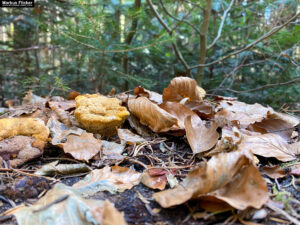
x: 94, y: 46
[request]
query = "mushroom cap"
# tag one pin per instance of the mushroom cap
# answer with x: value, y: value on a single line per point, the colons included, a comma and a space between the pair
x: 100, y: 114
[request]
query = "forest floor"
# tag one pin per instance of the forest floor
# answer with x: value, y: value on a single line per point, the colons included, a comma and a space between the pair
x: 29, y: 189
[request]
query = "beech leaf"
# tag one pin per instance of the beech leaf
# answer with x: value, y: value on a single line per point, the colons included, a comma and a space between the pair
x: 151, y: 114
x: 199, y: 136
x: 183, y: 87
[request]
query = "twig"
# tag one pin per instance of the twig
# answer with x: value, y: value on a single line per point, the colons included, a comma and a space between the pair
x: 263, y: 87
x: 24, y: 173
x: 221, y: 25
x: 251, y: 45
x: 283, y: 213
x: 32, y: 48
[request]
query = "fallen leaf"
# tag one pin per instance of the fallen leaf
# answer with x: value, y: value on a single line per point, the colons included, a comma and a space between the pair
x: 295, y: 170
x: 19, y: 149
x: 82, y: 147
x: 273, y: 172
x: 268, y: 145
x: 141, y: 129
x: 199, y: 136
x: 60, y: 108
x: 127, y: 137
x: 34, y: 127
x: 73, y: 94
x: 54, y: 168
x: 32, y: 99
x: 112, y: 148
x: 155, y: 178
x: 70, y: 209
x: 244, y: 114
x: 182, y: 87
x: 204, y: 109
x: 59, y: 132
x: 113, y: 179
x: 179, y: 111
x: 151, y: 114
x: 153, y: 96
x: 230, y: 177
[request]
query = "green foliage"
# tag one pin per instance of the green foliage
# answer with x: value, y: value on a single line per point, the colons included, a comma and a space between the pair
x: 83, y: 45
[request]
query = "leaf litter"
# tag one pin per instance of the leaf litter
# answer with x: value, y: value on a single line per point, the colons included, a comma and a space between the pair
x: 224, y: 160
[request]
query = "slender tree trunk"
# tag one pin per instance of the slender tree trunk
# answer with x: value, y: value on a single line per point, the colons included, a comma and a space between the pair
x: 129, y: 38
x: 203, y: 35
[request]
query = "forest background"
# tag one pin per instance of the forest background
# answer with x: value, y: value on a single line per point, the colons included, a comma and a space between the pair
x: 248, y: 49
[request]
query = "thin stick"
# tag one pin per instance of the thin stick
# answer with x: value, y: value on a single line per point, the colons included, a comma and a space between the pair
x: 283, y: 213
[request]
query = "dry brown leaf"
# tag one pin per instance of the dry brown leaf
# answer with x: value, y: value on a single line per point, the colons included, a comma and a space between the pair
x: 155, y: 178
x: 82, y: 147
x: 244, y: 114
x: 113, y: 179
x: 20, y: 149
x: 32, y: 99
x: 199, y: 136
x: 127, y: 137
x: 34, y: 127
x: 295, y: 170
x: 59, y: 132
x: 183, y: 87
x: 179, y: 111
x: 274, y: 172
x: 268, y: 145
x: 73, y: 94
x: 204, y: 109
x: 141, y: 129
x: 151, y: 115
x: 62, y: 114
x: 230, y: 177
x: 72, y: 210
x: 153, y: 96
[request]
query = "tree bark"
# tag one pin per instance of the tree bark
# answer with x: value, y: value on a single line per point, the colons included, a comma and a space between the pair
x: 203, y: 35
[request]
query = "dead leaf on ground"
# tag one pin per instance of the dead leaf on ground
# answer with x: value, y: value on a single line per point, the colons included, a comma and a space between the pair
x: 113, y: 179
x: 32, y: 99
x: 155, y: 178
x: 127, y: 137
x: 60, y: 108
x: 20, y: 149
x: 268, y: 145
x: 54, y: 168
x: 112, y: 148
x: 141, y: 129
x: 59, y: 132
x: 273, y: 172
x: 151, y: 114
x: 70, y: 209
x: 295, y: 170
x: 82, y: 147
x: 153, y: 96
x: 199, y: 136
x: 183, y: 87
x: 230, y: 177
x: 244, y: 114
x: 179, y: 111
x: 204, y: 109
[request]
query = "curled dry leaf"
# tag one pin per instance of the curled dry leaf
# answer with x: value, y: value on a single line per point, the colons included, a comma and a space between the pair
x: 34, y: 127
x: 274, y: 172
x: 230, y: 177
x: 204, y: 109
x: 141, y: 129
x: 199, y: 136
x: 113, y: 179
x: 20, y: 149
x: 59, y: 132
x: 183, y: 87
x: 179, y: 111
x: 54, y: 168
x: 70, y: 209
x: 82, y: 147
x: 268, y: 145
x: 244, y: 114
x: 127, y: 137
x: 153, y: 96
x: 155, y: 178
x: 112, y: 148
x: 32, y: 99
x: 151, y: 115
x: 62, y: 114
